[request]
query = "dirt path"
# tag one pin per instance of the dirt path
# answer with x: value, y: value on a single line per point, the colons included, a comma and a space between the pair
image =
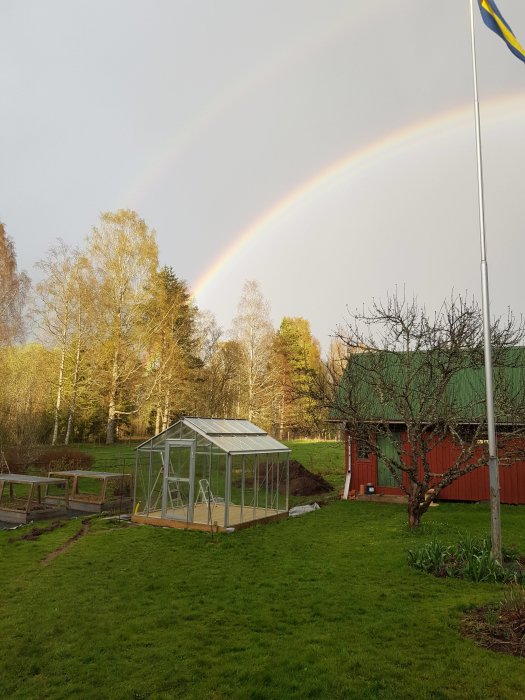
x: 86, y: 525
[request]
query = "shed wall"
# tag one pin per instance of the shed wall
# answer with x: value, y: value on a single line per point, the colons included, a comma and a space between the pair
x: 470, y: 487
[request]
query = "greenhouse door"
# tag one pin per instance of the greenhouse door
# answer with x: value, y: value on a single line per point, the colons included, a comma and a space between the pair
x: 179, y: 480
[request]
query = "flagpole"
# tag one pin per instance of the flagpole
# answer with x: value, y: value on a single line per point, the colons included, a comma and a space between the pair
x: 489, y: 389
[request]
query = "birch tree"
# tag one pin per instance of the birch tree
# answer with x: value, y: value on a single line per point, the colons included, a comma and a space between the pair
x: 253, y: 330
x: 61, y: 310
x: 14, y: 286
x: 124, y: 255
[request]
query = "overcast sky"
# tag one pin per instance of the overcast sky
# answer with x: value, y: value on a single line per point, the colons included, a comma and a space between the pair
x: 335, y: 138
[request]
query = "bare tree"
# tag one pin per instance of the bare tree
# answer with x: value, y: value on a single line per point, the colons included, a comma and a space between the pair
x: 208, y: 333
x: 422, y: 374
x: 221, y: 386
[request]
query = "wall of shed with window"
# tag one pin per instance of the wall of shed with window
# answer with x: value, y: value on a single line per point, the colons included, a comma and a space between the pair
x: 368, y: 469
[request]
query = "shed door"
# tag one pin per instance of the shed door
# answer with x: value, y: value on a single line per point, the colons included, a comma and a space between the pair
x: 179, y: 480
x: 387, y: 446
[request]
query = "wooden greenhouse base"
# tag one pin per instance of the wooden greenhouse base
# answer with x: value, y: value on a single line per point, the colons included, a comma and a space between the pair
x: 177, y: 517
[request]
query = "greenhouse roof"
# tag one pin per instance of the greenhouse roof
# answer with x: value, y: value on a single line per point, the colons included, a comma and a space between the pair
x: 233, y: 436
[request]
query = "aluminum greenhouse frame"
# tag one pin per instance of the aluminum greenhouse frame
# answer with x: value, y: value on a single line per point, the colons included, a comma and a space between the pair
x: 211, y: 474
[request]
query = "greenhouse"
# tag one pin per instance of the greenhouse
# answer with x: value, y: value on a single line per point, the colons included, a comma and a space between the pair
x: 211, y: 474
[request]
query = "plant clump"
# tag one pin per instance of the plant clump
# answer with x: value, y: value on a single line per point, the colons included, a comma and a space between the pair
x: 499, y: 627
x: 470, y: 559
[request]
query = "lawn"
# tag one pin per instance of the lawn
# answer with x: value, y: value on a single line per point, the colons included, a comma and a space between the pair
x: 321, y: 606
x: 111, y: 458
x: 322, y: 457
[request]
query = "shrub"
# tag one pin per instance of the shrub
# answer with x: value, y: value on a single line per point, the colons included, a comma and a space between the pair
x: 19, y: 458
x: 62, y: 459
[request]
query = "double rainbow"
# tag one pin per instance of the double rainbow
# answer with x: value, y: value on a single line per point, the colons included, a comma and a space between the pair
x: 374, y: 154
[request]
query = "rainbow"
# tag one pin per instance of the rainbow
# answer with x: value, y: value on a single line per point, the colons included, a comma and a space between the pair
x: 228, y: 96
x: 352, y: 164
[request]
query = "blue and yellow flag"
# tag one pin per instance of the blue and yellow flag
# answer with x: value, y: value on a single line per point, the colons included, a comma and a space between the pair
x: 493, y: 19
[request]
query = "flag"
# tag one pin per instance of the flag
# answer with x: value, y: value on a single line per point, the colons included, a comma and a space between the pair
x: 493, y: 19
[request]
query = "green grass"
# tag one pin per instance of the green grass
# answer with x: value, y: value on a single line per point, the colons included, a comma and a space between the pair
x: 321, y: 606
x: 111, y: 458
x: 322, y: 457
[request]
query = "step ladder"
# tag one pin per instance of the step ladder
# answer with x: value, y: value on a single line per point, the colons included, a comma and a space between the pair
x: 174, y: 494
x: 205, y: 494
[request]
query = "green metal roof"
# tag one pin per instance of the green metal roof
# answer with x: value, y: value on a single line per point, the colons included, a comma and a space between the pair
x: 392, y: 386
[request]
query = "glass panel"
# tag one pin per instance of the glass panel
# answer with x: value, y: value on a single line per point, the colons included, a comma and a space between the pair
x: 180, y: 463
x: 179, y: 482
x: 148, y: 482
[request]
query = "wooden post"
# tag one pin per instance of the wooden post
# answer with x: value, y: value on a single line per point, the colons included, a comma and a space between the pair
x: 103, y: 490
x: 29, y: 498
x: 74, y: 488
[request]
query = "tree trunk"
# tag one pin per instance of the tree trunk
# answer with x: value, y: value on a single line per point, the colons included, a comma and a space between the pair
x: 417, y: 505
x: 59, y: 393
x: 281, y: 417
x: 166, y: 411
x: 73, y: 404
x: 414, y: 513
x: 158, y: 419
x: 112, y: 423
x: 112, y: 408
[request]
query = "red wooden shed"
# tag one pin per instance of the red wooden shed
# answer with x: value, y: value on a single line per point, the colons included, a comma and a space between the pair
x: 380, y: 392
x: 364, y: 468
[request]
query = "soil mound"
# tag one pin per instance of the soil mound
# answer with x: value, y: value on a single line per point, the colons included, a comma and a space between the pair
x: 499, y: 627
x: 304, y: 483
